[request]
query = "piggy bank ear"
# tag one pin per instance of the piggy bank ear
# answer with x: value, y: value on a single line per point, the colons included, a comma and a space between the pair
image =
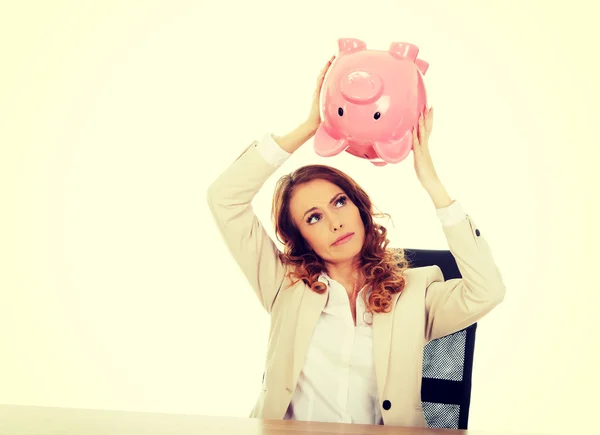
x: 351, y: 45
x: 422, y: 65
x: 406, y: 51
x: 327, y: 146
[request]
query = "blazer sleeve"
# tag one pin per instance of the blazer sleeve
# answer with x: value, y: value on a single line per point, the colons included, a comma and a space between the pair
x: 455, y: 304
x: 230, y: 202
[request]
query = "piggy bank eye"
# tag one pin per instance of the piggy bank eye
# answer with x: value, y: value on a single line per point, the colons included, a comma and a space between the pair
x: 341, y: 111
x: 377, y: 115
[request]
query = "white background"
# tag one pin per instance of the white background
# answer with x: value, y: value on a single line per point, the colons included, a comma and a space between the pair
x: 117, y: 292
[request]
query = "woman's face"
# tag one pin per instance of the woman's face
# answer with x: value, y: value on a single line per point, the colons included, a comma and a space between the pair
x: 323, y: 213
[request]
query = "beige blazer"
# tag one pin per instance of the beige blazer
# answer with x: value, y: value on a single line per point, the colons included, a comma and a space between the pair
x: 428, y: 308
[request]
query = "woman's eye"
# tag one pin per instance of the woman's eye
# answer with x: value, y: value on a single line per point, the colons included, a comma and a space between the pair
x: 311, y: 217
x: 342, y: 200
x: 315, y: 217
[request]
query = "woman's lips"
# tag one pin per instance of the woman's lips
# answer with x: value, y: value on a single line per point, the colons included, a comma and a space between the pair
x: 345, y: 238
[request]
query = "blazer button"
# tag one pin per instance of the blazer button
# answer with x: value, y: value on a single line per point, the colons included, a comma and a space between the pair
x: 477, y: 232
x: 387, y: 405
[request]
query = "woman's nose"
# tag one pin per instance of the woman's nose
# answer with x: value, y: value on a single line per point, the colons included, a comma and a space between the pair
x: 337, y: 226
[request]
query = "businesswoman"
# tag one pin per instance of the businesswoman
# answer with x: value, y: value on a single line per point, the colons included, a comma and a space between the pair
x: 349, y: 317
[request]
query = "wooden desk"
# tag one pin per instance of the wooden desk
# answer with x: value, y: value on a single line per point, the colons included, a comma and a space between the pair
x: 34, y: 420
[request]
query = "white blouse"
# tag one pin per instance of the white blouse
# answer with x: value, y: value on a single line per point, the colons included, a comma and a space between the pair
x: 337, y: 383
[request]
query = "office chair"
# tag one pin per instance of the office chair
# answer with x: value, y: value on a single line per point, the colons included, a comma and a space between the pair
x: 448, y: 360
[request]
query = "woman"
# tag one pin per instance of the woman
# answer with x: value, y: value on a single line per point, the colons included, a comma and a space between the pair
x: 349, y: 318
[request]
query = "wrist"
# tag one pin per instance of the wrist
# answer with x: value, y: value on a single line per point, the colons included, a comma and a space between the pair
x: 431, y: 184
x: 309, y: 127
x: 293, y: 140
x: 438, y: 194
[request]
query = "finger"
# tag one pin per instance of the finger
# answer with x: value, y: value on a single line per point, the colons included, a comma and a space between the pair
x: 416, y: 145
x: 422, y: 133
x: 328, y: 64
x: 322, y: 74
x: 429, y: 120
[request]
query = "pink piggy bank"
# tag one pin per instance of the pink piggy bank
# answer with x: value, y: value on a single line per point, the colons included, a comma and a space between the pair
x: 370, y: 101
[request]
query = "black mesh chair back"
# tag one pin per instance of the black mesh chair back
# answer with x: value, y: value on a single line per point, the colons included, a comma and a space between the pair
x: 447, y: 361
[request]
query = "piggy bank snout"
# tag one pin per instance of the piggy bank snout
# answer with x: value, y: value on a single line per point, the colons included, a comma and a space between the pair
x: 361, y: 87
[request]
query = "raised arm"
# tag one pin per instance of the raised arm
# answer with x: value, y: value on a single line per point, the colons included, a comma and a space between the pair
x: 455, y: 304
x: 230, y: 201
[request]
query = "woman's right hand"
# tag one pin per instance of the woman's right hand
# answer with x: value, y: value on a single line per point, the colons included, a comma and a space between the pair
x: 295, y: 139
x: 314, y: 117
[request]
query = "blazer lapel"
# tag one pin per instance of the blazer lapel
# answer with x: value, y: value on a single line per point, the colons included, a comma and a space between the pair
x: 311, y: 307
x: 382, y: 336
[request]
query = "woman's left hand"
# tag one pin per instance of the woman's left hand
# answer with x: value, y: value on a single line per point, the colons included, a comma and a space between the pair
x: 422, y: 157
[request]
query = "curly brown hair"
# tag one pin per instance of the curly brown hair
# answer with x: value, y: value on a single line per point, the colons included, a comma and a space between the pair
x: 383, y: 268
